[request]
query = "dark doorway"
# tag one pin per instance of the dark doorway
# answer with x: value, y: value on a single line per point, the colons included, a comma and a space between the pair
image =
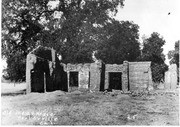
x: 115, y: 81
x: 102, y: 81
x: 73, y: 79
x: 37, y: 81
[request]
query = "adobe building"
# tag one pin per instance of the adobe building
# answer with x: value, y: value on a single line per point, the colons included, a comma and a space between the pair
x: 44, y: 72
x: 98, y: 76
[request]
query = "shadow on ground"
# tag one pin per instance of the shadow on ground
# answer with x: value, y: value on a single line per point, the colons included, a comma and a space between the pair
x: 15, y: 93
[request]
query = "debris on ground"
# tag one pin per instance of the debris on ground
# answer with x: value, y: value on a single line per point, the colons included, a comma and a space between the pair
x: 156, y: 107
x: 75, y: 92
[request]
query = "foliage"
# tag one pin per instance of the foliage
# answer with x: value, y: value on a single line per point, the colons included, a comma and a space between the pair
x: 153, y: 51
x: 158, y: 71
x: 173, y: 55
x: 153, y: 45
x: 121, y: 42
x: 71, y: 27
x: 16, y: 65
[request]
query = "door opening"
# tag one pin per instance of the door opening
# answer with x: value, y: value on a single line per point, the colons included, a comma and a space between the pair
x: 37, y: 81
x: 115, y: 80
x: 73, y: 79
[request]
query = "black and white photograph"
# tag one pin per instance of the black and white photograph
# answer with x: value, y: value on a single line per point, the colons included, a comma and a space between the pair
x: 90, y: 62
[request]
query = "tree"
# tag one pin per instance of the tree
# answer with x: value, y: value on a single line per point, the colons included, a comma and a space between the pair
x: 72, y: 27
x: 153, y: 51
x: 173, y: 55
x: 16, y: 67
x: 120, y: 43
x: 20, y: 28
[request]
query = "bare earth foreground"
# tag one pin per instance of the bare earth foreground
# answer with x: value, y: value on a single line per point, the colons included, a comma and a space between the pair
x: 84, y: 108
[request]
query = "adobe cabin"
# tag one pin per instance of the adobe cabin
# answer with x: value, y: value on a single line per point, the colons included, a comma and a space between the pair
x: 98, y: 76
x: 128, y: 76
x: 44, y: 72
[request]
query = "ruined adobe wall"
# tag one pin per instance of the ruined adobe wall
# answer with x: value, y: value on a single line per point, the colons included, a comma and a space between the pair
x: 30, y: 61
x: 95, y: 76
x: 44, y: 72
x: 171, y: 77
x: 140, y: 76
x: 111, y: 68
x: 117, y: 68
x: 83, y: 73
x: 89, y: 74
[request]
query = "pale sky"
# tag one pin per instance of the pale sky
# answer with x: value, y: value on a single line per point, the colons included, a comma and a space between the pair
x: 152, y: 16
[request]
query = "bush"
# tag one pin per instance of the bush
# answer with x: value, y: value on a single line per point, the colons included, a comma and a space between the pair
x: 158, y: 72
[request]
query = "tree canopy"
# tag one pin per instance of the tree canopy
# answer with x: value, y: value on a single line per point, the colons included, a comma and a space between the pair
x: 173, y: 55
x: 121, y: 42
x: 75, y: 29
x: 28, y: 23
x: 72, y: 27
x: 153, y: 51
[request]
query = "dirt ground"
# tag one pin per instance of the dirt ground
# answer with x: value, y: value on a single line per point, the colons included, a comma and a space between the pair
x: 157, y: 107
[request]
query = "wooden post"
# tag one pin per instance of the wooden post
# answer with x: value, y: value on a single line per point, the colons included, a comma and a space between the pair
x: 44, y: 82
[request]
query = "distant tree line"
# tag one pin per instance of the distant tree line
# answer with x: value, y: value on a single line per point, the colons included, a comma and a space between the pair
x: 75, y: 29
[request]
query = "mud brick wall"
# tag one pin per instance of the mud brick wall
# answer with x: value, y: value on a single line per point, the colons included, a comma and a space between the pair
x: 95, y: 76
x: 125, y: 79
x: 117, y: 68
x: 111, y: 68
x: 30, y: 61
x: 171, y: 77
x: 83, y: 74
x: 139, y: 75
x: 89, y: 75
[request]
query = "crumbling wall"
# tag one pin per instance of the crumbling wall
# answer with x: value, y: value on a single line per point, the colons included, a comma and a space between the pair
x: 139, y: 75
x: 83, y: 74
x: 111, y: 68
x: 89, y: 75
x: 95, y: 76
x: 171, y: 77
x: 44, y: 71
x: 125, y: 76
x: 117, y: 68
x: 30, y: 61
